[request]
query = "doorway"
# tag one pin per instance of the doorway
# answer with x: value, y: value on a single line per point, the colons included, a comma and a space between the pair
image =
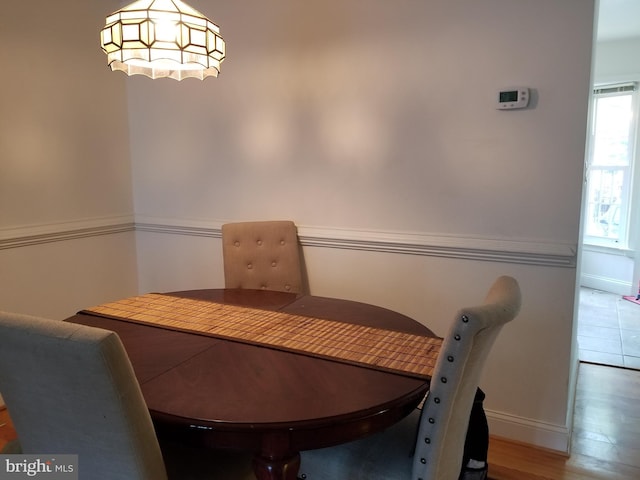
x: 608, y: 325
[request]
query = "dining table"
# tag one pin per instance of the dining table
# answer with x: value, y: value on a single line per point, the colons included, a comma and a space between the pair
x: 269, y: 373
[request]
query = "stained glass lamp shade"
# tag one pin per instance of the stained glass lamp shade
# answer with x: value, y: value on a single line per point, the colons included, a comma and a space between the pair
x: 162, y: 38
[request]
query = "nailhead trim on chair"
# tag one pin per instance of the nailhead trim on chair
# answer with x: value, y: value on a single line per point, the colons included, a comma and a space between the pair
x: 443, y: 380
x: 443, y: 421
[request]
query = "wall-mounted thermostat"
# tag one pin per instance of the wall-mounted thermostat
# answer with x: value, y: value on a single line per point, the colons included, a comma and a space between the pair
x: 511, y: 98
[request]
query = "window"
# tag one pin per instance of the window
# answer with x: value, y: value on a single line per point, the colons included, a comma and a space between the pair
x: 609, y: 166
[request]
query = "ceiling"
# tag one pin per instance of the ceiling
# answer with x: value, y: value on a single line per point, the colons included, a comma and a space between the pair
x: 618, y: 19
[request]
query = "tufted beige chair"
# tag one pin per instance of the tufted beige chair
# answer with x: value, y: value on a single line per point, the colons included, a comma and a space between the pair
x: 71, y: 389
x: 262, y: 255
x: 436, y: 452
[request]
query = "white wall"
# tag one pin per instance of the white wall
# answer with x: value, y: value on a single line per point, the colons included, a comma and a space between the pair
x: 373, y: 115
x: 616, y: 60
x: 66, y: 205
x: 57, y: 279
x: 372, y: 124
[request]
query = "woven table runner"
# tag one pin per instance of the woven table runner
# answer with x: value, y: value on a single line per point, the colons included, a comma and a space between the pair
x: 409, y: 354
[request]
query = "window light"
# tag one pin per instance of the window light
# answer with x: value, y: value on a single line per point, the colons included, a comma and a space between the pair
x: 162, y: 38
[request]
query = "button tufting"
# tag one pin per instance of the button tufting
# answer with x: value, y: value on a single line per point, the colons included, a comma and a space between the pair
x: 273, y: 264
x: 432, y: 420
x: 287, y: 287
x: 443, y: 379
x: 423, y: 461
x: 281, y: 242
x: 236, y: 243
x: 465, y: 319
x: 450, y: 358
x: 457, y: 337
x: 249, y: 266
x: 259, y: 242
x: 436, y: 400
x: 427, y: 440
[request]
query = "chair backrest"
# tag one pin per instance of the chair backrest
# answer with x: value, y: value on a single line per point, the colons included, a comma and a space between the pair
x: 71, y: 389
x: 262, y: 255
x: 445, y: 415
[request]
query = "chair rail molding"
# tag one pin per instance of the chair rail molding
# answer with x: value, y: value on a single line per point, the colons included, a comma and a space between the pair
x: 27, y: 235
x: 521, y: 251
x: 508, y: 250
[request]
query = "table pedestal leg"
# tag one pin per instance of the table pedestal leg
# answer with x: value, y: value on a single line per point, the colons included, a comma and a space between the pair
x: 276, y: 468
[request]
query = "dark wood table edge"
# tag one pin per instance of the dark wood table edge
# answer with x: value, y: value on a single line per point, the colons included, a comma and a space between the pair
x: 273, y: 456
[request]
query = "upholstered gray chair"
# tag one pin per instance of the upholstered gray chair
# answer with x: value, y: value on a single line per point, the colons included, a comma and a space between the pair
x: 71, y: 389
x: 262, y: 255
x: 428, y: 444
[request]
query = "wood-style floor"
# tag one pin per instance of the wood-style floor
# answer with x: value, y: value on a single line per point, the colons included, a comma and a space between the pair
x: 606, y: 440
x: 7, y: 433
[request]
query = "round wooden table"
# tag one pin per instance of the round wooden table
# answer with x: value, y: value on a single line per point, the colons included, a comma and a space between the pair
x: 226, y: 394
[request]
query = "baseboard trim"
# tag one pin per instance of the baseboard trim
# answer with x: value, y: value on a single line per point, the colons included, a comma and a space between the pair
x: 548, y: 436
x: 606, y: 284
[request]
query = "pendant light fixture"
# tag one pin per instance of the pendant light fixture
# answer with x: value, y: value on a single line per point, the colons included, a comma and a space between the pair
x: 162, y: 38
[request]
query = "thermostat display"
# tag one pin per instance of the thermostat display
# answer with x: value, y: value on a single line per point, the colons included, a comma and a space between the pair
x: 512, y: 98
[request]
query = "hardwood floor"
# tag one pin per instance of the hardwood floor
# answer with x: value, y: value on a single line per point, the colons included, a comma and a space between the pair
x: 7, y: 433
x: 606, y: 440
